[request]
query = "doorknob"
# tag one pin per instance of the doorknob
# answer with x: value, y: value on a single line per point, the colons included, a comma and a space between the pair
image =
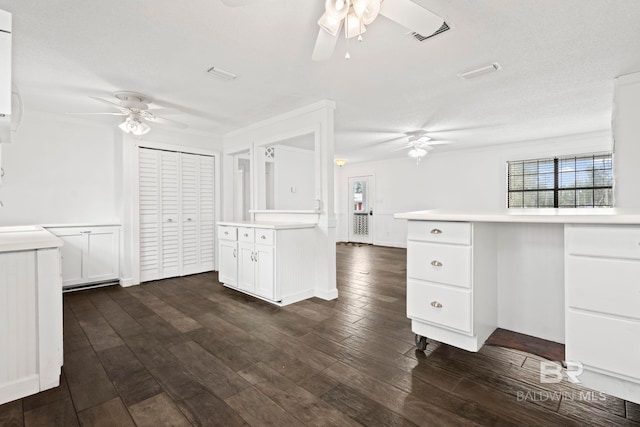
x: 370, y: 211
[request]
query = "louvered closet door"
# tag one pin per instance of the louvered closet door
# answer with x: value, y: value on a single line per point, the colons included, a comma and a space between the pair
x: 189, y: 199
x: 206, y: 212
x: 170, y: 208
x: 149, y: 172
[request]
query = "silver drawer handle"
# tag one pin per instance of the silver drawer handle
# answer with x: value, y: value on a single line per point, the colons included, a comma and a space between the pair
x: 436, y: 263
x: 263, y: 237
x: 226, y: 233
x: 246, y: 235
x: 436, y: 304
x: 234, y: 253
x: 169, y: 220
x: 189, y: 219
x: 436, y: 231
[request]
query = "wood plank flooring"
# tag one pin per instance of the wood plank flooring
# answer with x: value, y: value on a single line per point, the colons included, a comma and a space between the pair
x: 188, y: 351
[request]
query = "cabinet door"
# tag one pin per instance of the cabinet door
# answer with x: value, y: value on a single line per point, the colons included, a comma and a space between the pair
x: 170, y: 237
x: 265, y: 271
x: 72, y: 258
x: 228, y: 273
x: 246, y: 267
x: 189, y: 217
x: 5, y: 73
x: 101, y: 254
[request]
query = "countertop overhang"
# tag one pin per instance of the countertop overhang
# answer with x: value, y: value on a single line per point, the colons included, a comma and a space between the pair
x: 544, y: 216
x: 267, y: 224
x: 27, y: 237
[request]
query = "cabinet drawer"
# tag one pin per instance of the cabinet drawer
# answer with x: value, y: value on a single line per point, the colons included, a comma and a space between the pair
x: 264, y: 236
x: 442, y: 305
x: 440, y: 231
x: 618, y: 241
x: 604, y: 343
x: 245, y: 234
x: 605, y: 285
x: 227, y: 233
x: 434, y: 262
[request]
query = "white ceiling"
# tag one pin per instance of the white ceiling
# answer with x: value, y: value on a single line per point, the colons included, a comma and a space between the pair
x: 559, y: 59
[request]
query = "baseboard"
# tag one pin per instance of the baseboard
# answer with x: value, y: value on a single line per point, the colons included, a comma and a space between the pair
x: 327, y: 295
x: 125, y: 283
x: 299, y: 296
x: 391, y: 244
x: 22, y: 387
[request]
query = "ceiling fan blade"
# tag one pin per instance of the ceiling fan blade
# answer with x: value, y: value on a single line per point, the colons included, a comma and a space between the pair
x: 235, y: 3
x: 111, y: 103
x: 410, y: 15
x: 93, y: 114
x: 161, y: 120
x: 325, y: 45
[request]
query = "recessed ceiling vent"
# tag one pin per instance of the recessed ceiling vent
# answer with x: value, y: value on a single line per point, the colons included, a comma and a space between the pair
x: 421, y: 38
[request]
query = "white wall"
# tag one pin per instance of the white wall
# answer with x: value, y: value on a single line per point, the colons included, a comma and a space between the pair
x: 294, y: 178
x: 626, y: 131
x: 455, y: 179
x: 58, y: 170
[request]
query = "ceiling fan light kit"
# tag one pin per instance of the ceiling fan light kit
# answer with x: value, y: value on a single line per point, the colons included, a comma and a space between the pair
x: 356, y: 15
x: 134, y: 126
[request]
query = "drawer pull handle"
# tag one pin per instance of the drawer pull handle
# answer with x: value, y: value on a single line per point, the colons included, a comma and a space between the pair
x: 234, y: 253
x: 169, y: 220
x: 226, y: 233
x: 436, y: 304
x: 263, y: 237
x: 246, y: 235
x: 436, y: 263
x: 436, y: 231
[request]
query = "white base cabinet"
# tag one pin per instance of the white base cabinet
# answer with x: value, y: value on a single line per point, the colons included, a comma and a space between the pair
x: 30, y: 316
x: 91, y: 254
x: 451, y: 282
x: 270, y: 263
x: 602, y: 297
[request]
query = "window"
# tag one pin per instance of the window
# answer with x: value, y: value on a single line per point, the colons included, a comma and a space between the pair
x: 561, y: 182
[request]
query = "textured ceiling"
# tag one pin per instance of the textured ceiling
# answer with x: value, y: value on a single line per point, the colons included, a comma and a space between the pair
x: 559, y: 59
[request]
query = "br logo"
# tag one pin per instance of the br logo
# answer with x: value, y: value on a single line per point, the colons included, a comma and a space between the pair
x: 551, y: 372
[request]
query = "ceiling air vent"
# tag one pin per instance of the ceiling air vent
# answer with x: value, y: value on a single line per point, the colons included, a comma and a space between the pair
x: 421, y: 38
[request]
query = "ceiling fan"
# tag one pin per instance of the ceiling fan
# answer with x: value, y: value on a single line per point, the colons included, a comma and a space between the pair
x: 355, y: 15
x: 419, y: 144
x: 135, y: 107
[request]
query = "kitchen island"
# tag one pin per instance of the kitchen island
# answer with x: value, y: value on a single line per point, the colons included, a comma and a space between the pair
x: 30, y: 311
x: 566, y: 275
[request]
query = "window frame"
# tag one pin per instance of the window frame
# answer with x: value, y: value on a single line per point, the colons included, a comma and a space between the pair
x: 582, y: 163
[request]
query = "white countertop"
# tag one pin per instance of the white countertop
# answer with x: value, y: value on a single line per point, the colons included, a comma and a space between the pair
x: 552, y: 216
x: 267, y: 224
x: 82, y: 224
x: 27, y: 237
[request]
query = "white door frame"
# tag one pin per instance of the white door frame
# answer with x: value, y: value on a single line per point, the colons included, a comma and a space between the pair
x: 371, y: 195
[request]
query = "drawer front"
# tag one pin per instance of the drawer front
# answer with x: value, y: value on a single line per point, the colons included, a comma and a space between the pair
x: 604, y: 285
x: 604, y: 343
x: 245, y: 234
x: 619, y: 241
x: 265, y: 236
x: 227, y: 233
x: 440, y: 305
x: 440, y: 232
x: 433, y: 262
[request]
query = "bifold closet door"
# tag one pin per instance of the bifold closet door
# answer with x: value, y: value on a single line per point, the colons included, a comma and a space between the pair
x: 206, y: 213
x: 149, y: 182
x: 177, y: 219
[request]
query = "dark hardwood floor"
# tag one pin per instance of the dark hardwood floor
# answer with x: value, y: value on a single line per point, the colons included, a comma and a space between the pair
x: 188, y: 351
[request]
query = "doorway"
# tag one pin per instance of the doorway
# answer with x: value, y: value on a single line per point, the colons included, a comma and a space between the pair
x: 360, y: 207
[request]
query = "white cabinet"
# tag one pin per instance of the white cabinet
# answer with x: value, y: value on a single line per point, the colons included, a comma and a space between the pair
x: 228, y: 273
x: 451, y: 282
x: 177, y: 226
x: 90, y: 254
x: 270, y: 263
x: 5, y: 63
x: 30, y: 313
x: 602, y: 267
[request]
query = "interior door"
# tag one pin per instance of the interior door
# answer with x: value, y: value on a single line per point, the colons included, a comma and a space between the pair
x: 206, y: 213
x: 360, y: 206
x: 149, y: 176
x: 169, y: 195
